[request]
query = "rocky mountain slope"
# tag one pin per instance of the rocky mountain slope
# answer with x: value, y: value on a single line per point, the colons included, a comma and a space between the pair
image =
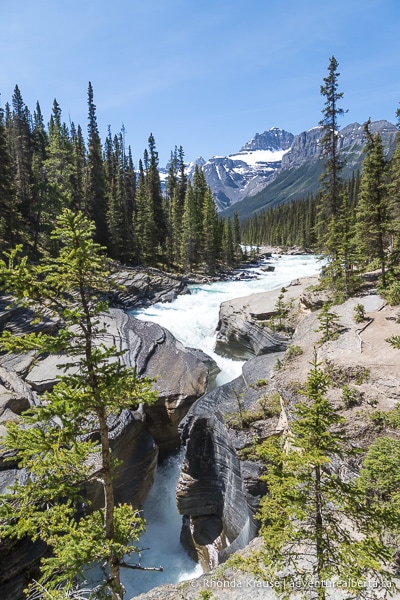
x: 277, y: 166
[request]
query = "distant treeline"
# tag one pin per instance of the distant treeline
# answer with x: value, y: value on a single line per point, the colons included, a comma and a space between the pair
x: 293, y: 223
x: 45, y: 168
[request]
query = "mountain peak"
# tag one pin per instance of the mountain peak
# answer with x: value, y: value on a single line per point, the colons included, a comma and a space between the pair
x: 273, y: 139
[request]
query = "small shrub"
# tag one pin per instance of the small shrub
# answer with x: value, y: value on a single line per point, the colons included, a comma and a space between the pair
x: 394, y: 341
x: 341, y: 376
x: 260, y: 383
x: 293, y: 351
x: 206, y: 595
x: 351, y: 397
x: 359, y: 313
x: 386, y: 418
x: 329, y: 323
x: 271, y: 405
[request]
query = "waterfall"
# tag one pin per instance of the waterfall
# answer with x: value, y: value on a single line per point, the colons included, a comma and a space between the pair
x: 161, y: 536
x: 192, y: 319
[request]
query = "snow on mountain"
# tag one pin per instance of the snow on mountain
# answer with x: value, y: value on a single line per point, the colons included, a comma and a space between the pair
x: 268, y: 155
x: 232, y: 178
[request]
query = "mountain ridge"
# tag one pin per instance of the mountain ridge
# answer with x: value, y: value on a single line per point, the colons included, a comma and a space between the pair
x: 277, y: 166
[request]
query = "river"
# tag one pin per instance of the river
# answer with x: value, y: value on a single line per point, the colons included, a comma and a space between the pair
x: 192, y: 319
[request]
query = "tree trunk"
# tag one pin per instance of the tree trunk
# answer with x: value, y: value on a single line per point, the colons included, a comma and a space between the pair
x: 114, y: 561
x: 319, y: 534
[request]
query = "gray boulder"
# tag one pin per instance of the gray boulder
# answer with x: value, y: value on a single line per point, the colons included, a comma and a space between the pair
x: 144, y: 286
x: 242, y: 333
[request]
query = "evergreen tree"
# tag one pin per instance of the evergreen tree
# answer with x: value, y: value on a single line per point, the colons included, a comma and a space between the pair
x: 40, y: 142
x: 331, y: 179
x: 228, y: 251
x: 190, y: 233
x: 183, y: 180
x: 393, y: 189
x: 120, y: 200
x: 236, y: 238
x: 374, y: 213
x: 95, y: 193
x: 79, y: 168
x: 57, y: 444
x: 58, y: 173
x: 209, y: 242
x: 10, y: 218
x: 318, y: 531
x: 19, y: 132
x: 155, y: 201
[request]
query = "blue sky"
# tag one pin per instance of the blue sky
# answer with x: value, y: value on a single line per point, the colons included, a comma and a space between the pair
x: 206, y: 75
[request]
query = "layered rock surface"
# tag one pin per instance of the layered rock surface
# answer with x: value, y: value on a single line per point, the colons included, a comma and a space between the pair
x: 243, y: 329
x: 218, y: 493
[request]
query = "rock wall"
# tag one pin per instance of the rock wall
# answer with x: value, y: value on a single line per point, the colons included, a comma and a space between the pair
x: 217, y: 492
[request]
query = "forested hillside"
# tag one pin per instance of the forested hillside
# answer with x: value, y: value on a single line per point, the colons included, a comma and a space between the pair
x: 45, y: 168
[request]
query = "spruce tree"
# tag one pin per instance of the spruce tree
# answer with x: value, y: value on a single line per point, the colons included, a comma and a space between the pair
x: 393, y: 189
x: 209, y: 241
x: 63, y: 442
x: 190, y: 233
x: 10, y: 217
x: 19, y: 133
x: 58, y: 173
x: 236, y: 238
x: 331, y: 178
x: 374, y: 214
x: 95, y: 193
x: 155, y: 202
x: 319, y: 532
x: 40, y: 142
x: 79, y: 168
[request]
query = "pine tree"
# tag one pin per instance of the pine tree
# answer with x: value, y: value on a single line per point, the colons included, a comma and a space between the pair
x: 56, y: 443
x: 236, y: 238
x: 58, y: 173
x: 79, y: 168
x: 40, y: 142
x: 393, y: 190
x: 209, y: 241
x: 228, y: 251
x: 120, y: 200
x: 155, y: 202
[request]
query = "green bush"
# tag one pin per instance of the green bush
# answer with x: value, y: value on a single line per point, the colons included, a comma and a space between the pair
x: 394, y: 341
x: 293, y: 351
x: 392, y: 293
x: 351, y: 397
x: 359, y: 313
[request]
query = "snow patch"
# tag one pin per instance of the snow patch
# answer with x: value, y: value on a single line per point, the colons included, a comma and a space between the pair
x: 252, y: 157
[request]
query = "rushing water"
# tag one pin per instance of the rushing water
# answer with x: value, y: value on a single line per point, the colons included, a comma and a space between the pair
x: 192, y: 319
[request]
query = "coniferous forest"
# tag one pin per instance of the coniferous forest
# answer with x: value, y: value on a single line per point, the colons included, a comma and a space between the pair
x: 46, y: 168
